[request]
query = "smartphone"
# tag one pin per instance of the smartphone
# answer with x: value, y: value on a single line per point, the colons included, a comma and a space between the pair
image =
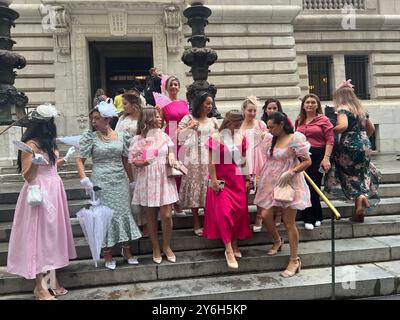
x: 220, y: 182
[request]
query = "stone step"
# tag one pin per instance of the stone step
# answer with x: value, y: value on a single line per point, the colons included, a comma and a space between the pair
x: 64, y: 174
x: 78, y: 199
x: 387, y: 206
x: 184, y: 239
x: 71, y: 166
x: 193, y: 266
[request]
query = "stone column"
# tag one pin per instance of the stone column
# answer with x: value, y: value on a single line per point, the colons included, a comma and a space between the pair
x: 12, y: 102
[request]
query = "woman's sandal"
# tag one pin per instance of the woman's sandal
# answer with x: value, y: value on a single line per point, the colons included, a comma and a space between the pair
x: 287, y: 273
x: 272, y: 251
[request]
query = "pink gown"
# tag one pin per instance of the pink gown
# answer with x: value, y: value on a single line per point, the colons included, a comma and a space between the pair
x: 283, y: 159
x: 255, y: 158
x: 226, y: 216
x: 173, y: 114
x: 41, y: 236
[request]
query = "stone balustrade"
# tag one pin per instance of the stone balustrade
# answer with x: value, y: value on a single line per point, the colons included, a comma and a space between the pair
x: 332, y: 4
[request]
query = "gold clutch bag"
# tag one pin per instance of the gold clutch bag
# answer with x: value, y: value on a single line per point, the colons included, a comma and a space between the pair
x: 284, y: 194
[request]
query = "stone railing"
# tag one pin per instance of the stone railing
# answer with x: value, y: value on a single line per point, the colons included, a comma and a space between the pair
x: 332, y: 4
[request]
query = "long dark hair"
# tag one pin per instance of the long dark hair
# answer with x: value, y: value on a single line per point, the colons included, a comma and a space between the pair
x: 45, y: 134
x: 278, y: 118
x: 198, y: 104
x: 302, y: 115
x: 267, y: 102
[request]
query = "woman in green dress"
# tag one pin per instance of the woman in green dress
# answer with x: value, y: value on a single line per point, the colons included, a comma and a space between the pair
x: 111, y: 171
x: 354, y: 170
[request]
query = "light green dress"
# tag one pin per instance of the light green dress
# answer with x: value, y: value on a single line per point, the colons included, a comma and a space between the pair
x: 109, y: 174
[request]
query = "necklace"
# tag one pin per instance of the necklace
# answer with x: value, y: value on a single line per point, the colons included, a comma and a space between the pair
x: 107, y: 137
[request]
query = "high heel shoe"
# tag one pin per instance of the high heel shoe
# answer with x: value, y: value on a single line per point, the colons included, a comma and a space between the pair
x: 170, y: 258
x: 231, y: 264
x: 58, y: 292
x: 257, y: 229
x: 287, y: 273
x: 157, y: 260
x: 38, y: 297
x: 132, y: 260
x: 237, y: 254
x: 272, y: 251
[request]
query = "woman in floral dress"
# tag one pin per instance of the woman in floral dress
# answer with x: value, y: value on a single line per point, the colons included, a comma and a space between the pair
x: 359, y: 178
x: 252, y: 129
x: 193, y: 132
x: 111, y: 171
x: 283, y: 149
x: 155, y: 191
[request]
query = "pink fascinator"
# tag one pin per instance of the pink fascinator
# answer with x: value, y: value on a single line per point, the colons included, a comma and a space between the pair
x: 345, y: 84
x: 253, y: 100
x: 164, y: 78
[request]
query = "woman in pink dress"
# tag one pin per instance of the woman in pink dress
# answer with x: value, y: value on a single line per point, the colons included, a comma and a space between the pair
x: 173, y: 113
x: 283, y: 149
x: 41, y: 237
x: 252, y: 129
x: 226, y: 216
x: 155, y: 191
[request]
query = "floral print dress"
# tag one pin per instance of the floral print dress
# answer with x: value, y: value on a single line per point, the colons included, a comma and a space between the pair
x: 108, y: 173
x: 154, y: 188
x: 282, y: 160
x: 352, y: 165
x: 193, y: 189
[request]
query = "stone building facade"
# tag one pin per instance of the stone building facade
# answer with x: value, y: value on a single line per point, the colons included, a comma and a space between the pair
x: 264, y: 48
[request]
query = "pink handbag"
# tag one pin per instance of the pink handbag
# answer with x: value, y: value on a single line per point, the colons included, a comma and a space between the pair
x: 178, y: 169
x: 284, y: 194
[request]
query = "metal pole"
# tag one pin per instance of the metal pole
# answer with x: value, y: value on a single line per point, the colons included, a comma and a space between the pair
x: 333, y: 256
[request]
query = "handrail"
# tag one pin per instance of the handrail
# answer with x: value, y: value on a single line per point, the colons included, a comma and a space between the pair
x: 15, y: 122
x: 336, y: 215
x: 321, y: 194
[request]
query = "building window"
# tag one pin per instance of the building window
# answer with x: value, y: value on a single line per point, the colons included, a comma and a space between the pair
x: 319, y: 76
x: 357, y: 71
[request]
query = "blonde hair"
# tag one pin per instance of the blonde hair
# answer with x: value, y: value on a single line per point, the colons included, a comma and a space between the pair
x: 346, y: 97
x: 146, y: 121
x: 249, y: 100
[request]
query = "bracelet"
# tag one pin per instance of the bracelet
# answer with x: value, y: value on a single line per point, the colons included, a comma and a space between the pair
x: 326, y: 156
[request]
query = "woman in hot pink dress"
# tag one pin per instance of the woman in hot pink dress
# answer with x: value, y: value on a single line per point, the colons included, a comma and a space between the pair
x: 283, y: 149
x: 226, y: 216
x: 41, y: 237
x: 173, y: 113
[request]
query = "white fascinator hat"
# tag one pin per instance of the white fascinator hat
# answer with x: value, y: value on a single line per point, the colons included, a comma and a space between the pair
x: 43, y: 113
x: 106, y: 109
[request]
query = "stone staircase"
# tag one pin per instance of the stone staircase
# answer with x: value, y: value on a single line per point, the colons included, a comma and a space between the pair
x: 367, y: 257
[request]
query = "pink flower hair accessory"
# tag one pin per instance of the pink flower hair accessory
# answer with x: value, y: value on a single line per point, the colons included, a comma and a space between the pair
x: 345, y: 84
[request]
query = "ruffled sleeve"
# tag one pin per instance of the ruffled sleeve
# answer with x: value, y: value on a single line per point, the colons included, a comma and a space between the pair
x: 126, y: 142
x: 136, y: 148
x: 262, y: 126
x: 300, y: 145
x: 86, y: 144
x: 186, y: 137
x: 263, y: 142
x: 183, y: 123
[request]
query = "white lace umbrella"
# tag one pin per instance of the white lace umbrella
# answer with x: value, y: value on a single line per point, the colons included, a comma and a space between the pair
x: 95, y: 222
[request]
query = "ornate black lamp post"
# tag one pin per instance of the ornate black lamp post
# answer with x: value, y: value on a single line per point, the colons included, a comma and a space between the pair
x: 198, y: 57
x: 12, y: 102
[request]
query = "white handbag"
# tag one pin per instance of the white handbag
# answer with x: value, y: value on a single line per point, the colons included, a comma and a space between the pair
x: 35, y: 196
